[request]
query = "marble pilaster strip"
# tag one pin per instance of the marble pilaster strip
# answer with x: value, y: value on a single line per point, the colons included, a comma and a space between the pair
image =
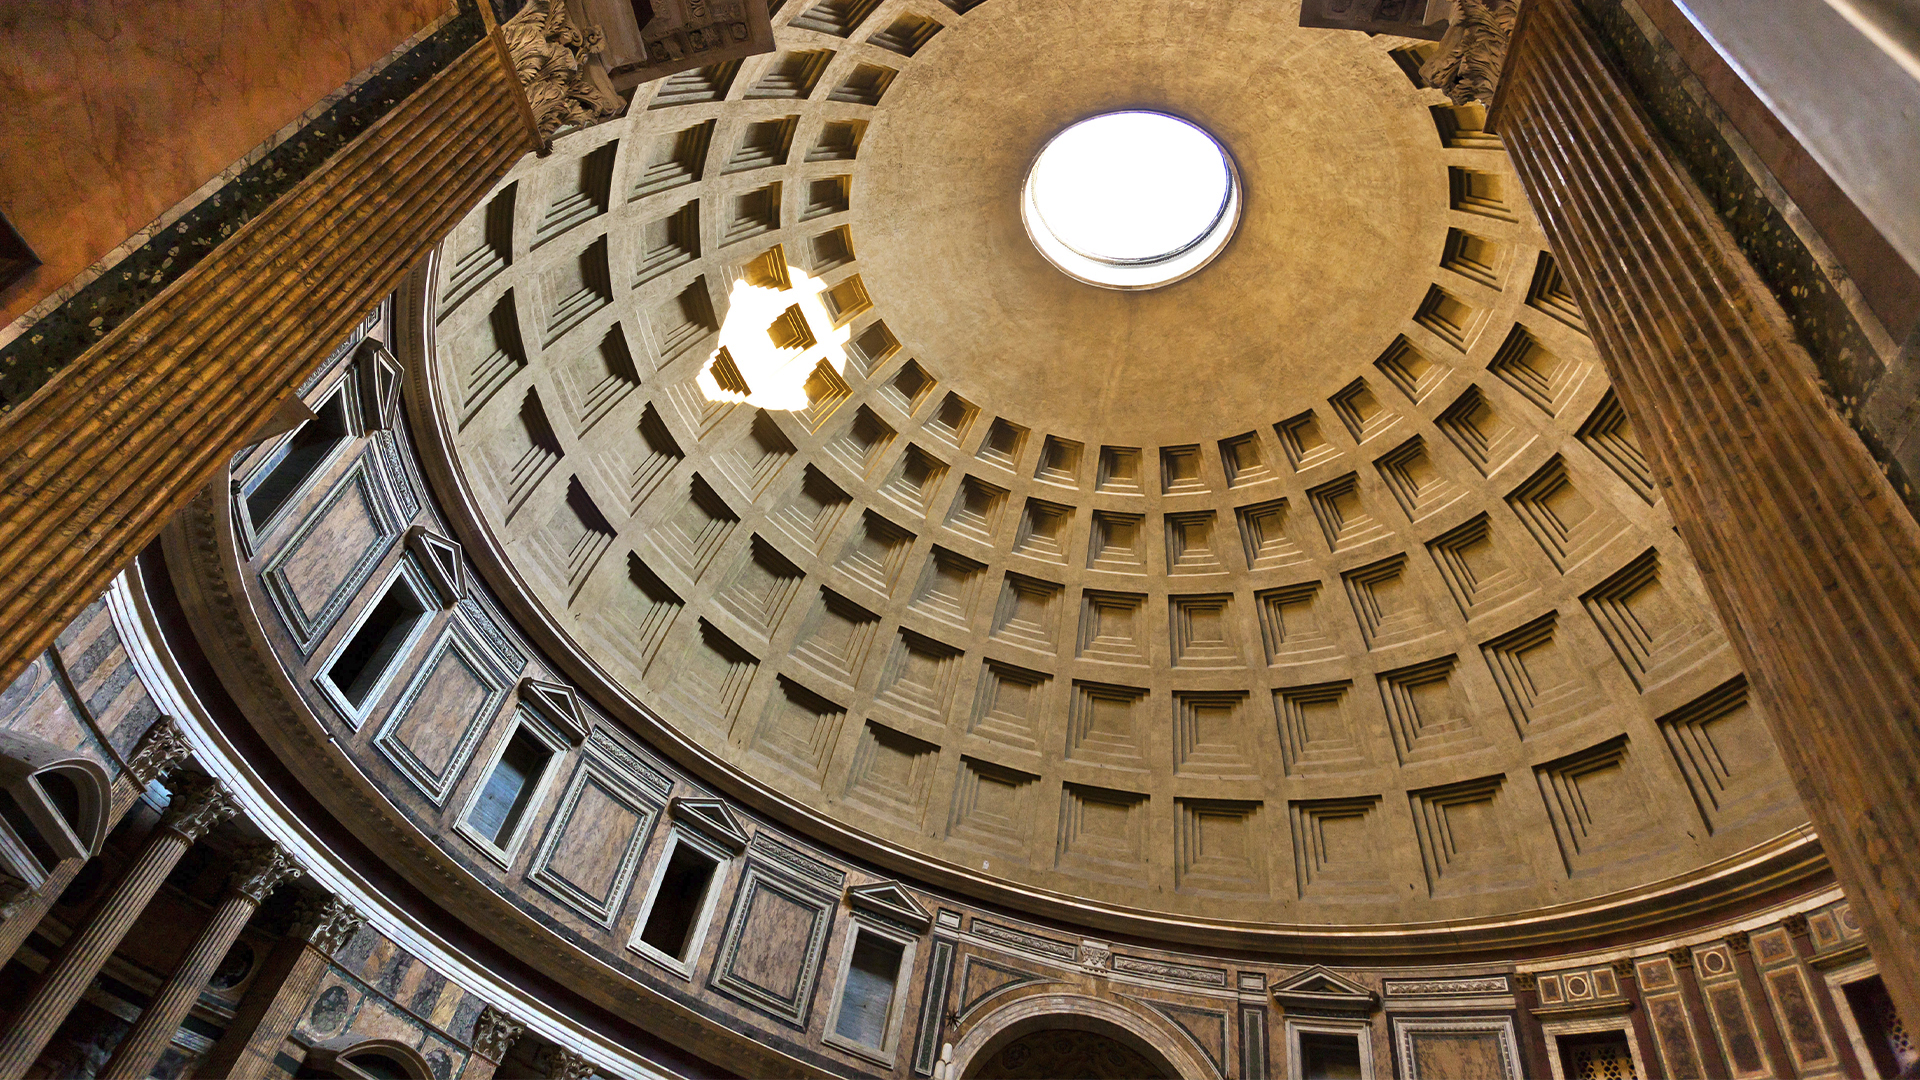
x: 1812, y: 562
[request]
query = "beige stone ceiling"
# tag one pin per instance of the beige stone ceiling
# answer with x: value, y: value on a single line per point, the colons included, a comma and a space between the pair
x: 1326, y: 587
x: 1346, y: 197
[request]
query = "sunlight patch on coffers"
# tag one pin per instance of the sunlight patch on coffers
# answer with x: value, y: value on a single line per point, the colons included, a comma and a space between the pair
x: 777, y: 332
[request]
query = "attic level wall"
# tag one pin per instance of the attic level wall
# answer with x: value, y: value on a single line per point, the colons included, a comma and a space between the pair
x: 1786, y: 990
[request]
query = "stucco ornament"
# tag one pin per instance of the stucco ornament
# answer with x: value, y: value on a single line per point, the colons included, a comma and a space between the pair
x: 327, y: 922
x: 494, y: 1034
x: 262, y: 869
x: 1467, y: 67
x: 1095, y: 959
x: 552, y: 59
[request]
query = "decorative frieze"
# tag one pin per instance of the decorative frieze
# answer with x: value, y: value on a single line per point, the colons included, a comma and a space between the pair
x: 1021, y: 941
x: 1495, y: 984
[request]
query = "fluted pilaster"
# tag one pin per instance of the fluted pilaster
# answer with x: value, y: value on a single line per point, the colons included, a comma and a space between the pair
x: 259, y: 873
x: 284, y: 989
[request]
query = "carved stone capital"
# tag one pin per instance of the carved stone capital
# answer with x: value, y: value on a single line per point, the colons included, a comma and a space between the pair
x: 261, y: 870
x: 1740, y: 942
x: 1622, y: 970
x: 1682, y: 959
x: 160, y: 749
x: 1795, y: 924
x: 494, y: 1034
x: 1467, y: 67
x: 564, y: 1064
x: 327, y: 922
x: 1526, y: 981
x: 1095, y: 959
x: 551, y: 58
x: 198, y: 805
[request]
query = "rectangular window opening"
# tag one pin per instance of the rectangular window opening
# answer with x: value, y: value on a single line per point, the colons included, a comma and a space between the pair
x: 364, y: 661
x: 503, y: 801
x: 1888, y: 1044
x: 309, y: 447
x: 866, y: 1001
x: 678, y: 901
x: 1329, y: 1056
x: 1599, y: 1053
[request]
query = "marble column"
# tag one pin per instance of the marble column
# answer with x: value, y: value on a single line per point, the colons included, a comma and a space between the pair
x: 284, y: 989
x: 260, y: 872
x: 159, y: 750
x: 494, y: 1034
x: 198, y: 805
x: 1811, y: 558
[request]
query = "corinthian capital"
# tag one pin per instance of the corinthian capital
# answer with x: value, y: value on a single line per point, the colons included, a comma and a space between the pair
x: 327, y: 922
x: 160, y: 749
x: 1467, y: 67
x: 494, y: 1034
x: 261, y: 870
x: 198, y: 805
x: 551, y: 57
x: 564, y: 1064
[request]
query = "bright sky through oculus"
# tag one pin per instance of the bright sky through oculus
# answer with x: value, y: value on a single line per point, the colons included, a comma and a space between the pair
x: 1131, y: 186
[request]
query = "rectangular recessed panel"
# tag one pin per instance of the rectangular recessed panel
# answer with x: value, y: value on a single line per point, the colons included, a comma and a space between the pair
x: 588, y: 856
x: 770, y: 953
x: 432, y: 730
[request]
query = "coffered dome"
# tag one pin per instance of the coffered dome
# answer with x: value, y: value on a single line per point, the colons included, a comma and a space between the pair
x: 1324, y: 588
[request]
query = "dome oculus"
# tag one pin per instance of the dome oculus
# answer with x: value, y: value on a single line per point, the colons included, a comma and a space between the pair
x: 1131, y: 200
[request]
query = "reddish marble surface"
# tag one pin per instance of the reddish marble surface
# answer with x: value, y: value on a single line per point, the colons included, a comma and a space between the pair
x: 115, y: 110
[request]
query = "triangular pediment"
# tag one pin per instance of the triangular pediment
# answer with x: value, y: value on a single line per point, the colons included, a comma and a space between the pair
x: 1317, y: 987
x: 558, y: 705
x: 889, y: 899
x: 711, y: 818
x: 379, y: 374
x: 440, y: 560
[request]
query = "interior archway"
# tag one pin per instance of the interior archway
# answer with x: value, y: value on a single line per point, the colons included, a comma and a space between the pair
x: 1071, y: 1035
x: 1068, y: 1052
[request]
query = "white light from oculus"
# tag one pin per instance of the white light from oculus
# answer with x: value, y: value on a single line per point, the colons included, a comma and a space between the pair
x: 1131, y: 200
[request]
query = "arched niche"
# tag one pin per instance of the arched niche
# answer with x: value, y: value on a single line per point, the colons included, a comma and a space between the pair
x: 53, y: 807
x: 372, y: 1059
x: 1091, y: 1022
